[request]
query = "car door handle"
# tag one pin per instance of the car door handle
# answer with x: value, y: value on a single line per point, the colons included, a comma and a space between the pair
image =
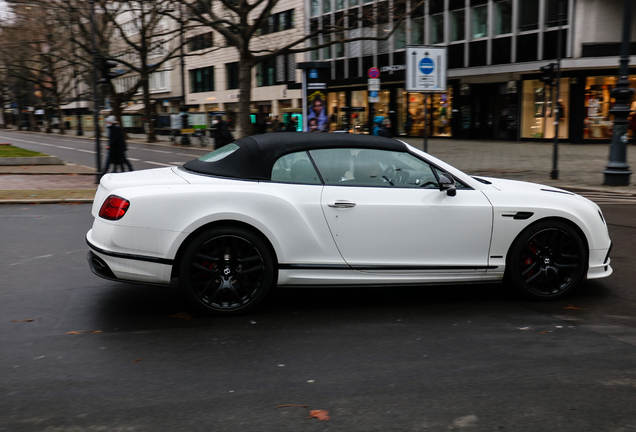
x: 342, y: 204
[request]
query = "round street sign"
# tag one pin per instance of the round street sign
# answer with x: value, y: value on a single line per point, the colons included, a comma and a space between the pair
x: 374, y: 72
x: 427, y: 66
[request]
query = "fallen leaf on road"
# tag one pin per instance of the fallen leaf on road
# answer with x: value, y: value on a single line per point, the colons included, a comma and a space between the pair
x: 321, y: 415
x: 573, y: 307
x: 542, y: 332
x: 182, y: 315
x: 137, y: 361
x: 24, y: 320
x: 291, y: 405
x: 84, y: 331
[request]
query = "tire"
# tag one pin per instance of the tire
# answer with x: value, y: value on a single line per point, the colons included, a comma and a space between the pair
x: 547, y: 261
x: 226, y: 271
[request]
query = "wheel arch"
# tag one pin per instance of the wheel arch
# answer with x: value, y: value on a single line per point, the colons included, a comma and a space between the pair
x: 568, y: 222
x: 221, y: 223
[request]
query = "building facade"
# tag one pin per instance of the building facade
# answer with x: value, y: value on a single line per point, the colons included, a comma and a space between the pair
x: 495, y: 50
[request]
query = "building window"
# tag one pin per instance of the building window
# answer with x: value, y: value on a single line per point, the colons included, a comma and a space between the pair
x: 326, y: 6
x: 200, y: 42
x: 202, y: 80
x: 266, y: 73
x: 232, y: 72
x: 480, y: 22
x: 437, y: 29
x: 417, y: 31
x: 326, y: 51
x: 503, y: 17
x: 528, y: 15
x: 458, y: 25
x: 314, y: 8
x: 399, y: 38
x: 340, y: 4
x: 539, y: 112
x: 552, y: 13
x: 278, y: 22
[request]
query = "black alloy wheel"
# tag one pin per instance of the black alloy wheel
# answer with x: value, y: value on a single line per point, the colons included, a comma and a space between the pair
x: 547, y: 261
x: 226, y: 271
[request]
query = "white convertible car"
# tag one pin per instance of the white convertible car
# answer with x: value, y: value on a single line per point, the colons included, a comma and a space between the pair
x: 299, y: 209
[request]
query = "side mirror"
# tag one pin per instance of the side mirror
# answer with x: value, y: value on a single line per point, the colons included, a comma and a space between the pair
x: 447, y: 183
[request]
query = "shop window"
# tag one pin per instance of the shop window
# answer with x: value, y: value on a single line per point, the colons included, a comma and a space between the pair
x: 458, y: 25
x: 501, y: 53
x: 599, y: 121
x: 437, y: 29
x: 503, y: 17
x: 477, y: 53
x: 359, y: 117
x: 539, y: 109
x: 479, y: 22
x: 439, y: 113
x: 456, y: 56
x: 552, y: 13
x: 528, y: 15
x: 527, y: 47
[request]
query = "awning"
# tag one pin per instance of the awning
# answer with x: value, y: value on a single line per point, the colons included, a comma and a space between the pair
x: 134, y: 108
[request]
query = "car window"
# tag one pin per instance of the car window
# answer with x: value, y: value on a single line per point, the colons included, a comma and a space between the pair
x: 295, y: 168
x: 380, y: 168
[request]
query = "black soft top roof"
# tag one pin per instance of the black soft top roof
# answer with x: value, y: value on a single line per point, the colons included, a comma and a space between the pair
x: 257, y: 154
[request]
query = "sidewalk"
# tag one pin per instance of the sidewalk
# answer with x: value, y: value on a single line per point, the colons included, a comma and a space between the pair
x: 580, y: 165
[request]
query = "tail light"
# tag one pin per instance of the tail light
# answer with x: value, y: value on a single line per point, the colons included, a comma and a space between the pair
x: 114, y: 208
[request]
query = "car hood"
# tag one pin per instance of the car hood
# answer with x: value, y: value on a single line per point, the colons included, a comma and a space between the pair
x: 512, y: 185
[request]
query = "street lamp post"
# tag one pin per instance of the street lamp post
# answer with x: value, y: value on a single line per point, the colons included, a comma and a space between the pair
x: 556, y: 111
x: 185, y: 138
x: 96, y: 105
x: 617, y: 171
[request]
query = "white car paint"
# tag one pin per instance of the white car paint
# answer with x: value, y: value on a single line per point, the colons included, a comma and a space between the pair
x: 169, y: 204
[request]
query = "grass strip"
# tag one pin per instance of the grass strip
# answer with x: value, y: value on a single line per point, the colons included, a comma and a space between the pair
x: 12, y: 151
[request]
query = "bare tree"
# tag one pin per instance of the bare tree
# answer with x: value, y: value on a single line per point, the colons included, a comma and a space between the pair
x: 239, y: 23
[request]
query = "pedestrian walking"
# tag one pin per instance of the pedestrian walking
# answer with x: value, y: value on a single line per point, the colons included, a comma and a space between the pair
x: 116, y: 146
x: 222, y: 134
x: 292, y: 125
x: 276, y: 125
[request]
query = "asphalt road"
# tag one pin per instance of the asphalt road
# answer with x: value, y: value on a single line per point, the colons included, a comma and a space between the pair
x: 82, y: 151
x: 80, y: 353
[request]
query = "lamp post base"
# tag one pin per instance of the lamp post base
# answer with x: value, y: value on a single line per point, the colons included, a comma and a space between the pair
x: 615, y: 177
x: 185, y: 140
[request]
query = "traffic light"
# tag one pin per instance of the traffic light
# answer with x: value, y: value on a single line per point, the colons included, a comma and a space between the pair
x: 105, y: 69
x: 547, y: 73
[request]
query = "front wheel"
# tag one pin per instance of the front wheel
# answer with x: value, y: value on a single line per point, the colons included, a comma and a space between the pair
x: 547, y: 261
x: 226, y: 271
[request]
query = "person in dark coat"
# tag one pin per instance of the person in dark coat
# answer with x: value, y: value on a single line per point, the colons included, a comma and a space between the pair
x: 116, y: 146
x: 222, y: 135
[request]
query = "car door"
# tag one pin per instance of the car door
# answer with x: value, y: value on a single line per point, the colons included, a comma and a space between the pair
x: 386, y: 212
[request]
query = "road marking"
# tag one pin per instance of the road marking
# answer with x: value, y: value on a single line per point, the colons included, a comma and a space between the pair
x: 158, y: 151
x: 134, y: 160
x: 157, y: 163
x: 610, y: 197
x: 86, y: 151
x: 188, y: 155
x: 177, y: 163
x: 66, y: 148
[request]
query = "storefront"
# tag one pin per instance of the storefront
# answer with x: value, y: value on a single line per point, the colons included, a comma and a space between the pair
x: 539, y: 110
x: 351, y: 110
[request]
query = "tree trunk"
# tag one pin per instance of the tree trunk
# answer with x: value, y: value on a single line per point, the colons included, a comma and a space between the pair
x: 245, y: 97
x: 34, y: 124
x: 47, y: 126
x: 62, y: 121
x: 150, y: 124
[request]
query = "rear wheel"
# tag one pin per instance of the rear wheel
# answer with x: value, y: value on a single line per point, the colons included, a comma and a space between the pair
x: 226, y: 271
x: 547, y: 261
